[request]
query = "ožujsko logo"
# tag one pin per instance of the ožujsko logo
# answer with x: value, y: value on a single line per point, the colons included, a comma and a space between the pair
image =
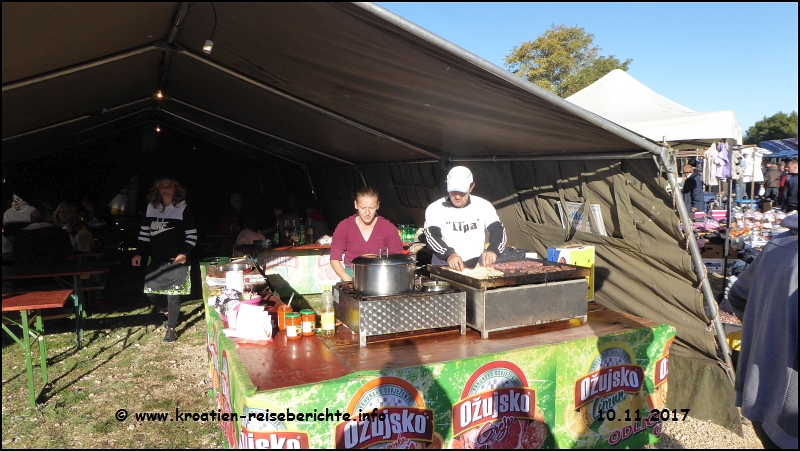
x: 405, y: 420
x: 498, y: 410
x: 260, y: 430
x: 226, y: 402
x: 659, y: 397
x: 611, y: 376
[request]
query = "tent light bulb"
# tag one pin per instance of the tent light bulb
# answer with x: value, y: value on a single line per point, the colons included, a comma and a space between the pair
x: 208, y: 46
x: 160, y: 94
x: 158, y: 129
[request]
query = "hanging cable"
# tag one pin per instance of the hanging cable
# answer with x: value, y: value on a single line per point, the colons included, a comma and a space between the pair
x: 210, y: 41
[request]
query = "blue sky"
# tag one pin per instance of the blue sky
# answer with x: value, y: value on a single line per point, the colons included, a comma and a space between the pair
x: 705, y: 56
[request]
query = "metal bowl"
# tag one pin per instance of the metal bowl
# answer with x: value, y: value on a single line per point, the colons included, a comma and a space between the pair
x: 435, y: 286
x: 234, y: 267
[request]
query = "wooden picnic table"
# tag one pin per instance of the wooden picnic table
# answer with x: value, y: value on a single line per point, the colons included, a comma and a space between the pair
x: 36, y: 301
x: 78, y: 272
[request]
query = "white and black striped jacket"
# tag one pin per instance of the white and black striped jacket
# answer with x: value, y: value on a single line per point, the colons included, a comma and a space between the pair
x: 165, y: 234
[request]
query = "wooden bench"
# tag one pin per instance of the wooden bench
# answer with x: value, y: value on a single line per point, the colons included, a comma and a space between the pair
x: 36, y: 301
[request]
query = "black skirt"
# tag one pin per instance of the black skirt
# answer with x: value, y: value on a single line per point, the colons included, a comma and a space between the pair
x: 167, y: 278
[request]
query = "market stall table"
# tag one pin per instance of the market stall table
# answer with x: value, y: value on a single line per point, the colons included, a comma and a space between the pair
x: 431, y: 379
x: 78, y: 273
x: 36, y: 301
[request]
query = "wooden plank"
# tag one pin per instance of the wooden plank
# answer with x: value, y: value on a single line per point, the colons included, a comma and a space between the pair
x: 87, y: 269
x: 398, y: 351
x: 14, y: 302
x: 285, y: 363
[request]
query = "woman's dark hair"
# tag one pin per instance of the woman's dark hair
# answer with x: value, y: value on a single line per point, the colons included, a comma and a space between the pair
x: 154, y: 198
x: 367, y: 191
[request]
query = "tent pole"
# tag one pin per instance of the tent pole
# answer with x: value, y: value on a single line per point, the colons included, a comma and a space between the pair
x: 727, y: 246
x: 669, y: 164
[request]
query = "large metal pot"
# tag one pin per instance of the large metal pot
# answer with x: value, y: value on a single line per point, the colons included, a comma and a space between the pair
x: 382, y: 275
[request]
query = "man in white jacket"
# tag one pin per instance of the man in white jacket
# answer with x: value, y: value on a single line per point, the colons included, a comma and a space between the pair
x: 455, y: 225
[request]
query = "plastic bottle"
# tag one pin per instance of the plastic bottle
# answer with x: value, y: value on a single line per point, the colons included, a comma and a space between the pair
x: 326, y: 312
x: 301, y: 234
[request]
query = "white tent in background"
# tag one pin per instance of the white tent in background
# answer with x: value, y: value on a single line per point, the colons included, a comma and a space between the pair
x: 622, y: 99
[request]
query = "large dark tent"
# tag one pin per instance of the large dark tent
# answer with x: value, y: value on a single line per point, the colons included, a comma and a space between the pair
x: 334, y: 95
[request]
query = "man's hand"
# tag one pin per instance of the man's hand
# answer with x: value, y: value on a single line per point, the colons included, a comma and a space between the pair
x: 136, y: 260
x: 455, y: 262
x: 694, y: 209
x: 488, y: 258
x: 180, y: 259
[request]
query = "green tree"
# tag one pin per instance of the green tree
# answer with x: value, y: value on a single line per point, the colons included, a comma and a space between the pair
x: 778, y: 126
x: 562, y: 60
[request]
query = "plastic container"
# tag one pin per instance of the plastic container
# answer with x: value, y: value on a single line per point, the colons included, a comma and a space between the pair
x: 282, y: 311
x: 293, y: 326
x: 327, y: 319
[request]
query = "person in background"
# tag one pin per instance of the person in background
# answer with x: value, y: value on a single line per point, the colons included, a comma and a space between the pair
x: 282, y: 211
x: 249, y: 234
x: 41, y: 243
x: 455, y: 225
x: 692, y: 190
x: 790, y: 189
x: 66, y: 217
x: 235, y: 217
x: 89, y: 213
x: 782, y: 168
x: 168, y: 235
x: 764, y: 298
x: 16, y: 217
x: 316, y: 221
x: 772, y: 181
x: 363, y: 233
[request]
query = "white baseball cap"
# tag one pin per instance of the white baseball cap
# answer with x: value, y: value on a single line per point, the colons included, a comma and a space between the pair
x: 459, y: 179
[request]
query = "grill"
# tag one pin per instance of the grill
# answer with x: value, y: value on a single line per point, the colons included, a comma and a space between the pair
x: 556, y: 293
x: 379, y: 315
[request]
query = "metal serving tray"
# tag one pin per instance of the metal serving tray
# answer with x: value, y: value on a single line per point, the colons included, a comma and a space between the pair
x: 379, y: 315
x: 569, y: 272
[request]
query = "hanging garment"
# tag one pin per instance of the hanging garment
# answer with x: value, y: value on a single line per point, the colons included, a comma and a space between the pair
x: 709, y: 168
x: 737, y: 164
x: 752, y: 171
x: 723, y: 170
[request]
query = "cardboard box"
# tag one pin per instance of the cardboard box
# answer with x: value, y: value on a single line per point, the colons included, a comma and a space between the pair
x: 578, y: 255
x: 716, y: 251
x: 714, y: 265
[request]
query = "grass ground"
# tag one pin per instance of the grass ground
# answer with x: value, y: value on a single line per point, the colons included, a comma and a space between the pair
x: 124, y: 365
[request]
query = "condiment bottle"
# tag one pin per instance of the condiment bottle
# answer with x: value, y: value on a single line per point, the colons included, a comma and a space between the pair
x: 282, y: 311
x: 293, y: 326
x: 309, y: 322
x: 327, y: 319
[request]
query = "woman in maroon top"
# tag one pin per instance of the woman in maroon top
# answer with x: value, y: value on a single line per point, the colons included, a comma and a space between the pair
x: 363, y: 233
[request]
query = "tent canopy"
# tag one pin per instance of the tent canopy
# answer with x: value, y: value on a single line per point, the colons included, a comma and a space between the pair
x: 338, y: 86
x: 780, y: 148
x: 622, y: 99
x: 309, y: 83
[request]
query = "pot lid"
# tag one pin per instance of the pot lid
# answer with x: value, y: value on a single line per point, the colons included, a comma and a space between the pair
x: 383, y: 260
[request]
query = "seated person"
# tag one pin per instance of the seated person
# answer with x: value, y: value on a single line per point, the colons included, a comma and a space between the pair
x: 17, y: 216
x: 249, y: 234
x: 234, y: 217
x: 90, y: 213
x: 67, y: 218
x: 41, y: 243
